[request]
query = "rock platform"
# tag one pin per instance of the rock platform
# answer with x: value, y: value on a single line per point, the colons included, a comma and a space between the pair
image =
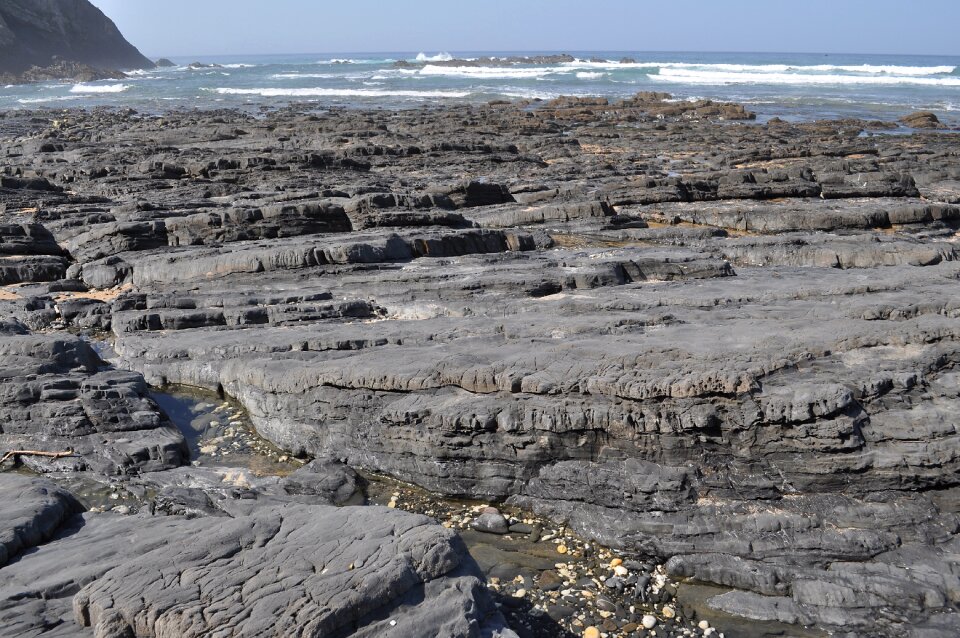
x: 727, y: 346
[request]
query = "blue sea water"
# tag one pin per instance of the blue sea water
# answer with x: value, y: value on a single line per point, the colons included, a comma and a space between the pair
x: 787, y: 85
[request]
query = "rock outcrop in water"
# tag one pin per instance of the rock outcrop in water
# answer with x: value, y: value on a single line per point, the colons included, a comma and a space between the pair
x: 728, y: 346
x: 69, y: 39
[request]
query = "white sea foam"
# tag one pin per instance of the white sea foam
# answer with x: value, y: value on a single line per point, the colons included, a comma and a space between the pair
x: 354, y: 61
x: 99, y: 88
x: 52, y: 98
x: 239, y: 66
x: 489, y: 72
x: 591, y: 75
x: 440, y: 57
x: 690, y: 76
x: 329, y: 92
x: 869, y: 69
x: 307, y: 76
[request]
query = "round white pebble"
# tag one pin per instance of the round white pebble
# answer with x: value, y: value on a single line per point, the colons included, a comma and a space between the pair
x: 649, y: 622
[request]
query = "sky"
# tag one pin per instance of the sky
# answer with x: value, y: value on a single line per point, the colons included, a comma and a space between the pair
x: 223, y: 27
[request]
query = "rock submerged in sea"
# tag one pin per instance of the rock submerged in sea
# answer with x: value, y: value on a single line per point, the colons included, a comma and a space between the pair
x: 922, y: 120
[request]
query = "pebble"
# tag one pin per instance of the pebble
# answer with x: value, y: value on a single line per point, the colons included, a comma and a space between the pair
x: 588, y: 587
x: 521, y: 528
x: 703, y: 624
x: 591, y: 632
x: 491, y: 522
x: 560, y: 612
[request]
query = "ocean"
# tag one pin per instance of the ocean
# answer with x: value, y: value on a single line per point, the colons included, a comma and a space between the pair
x: 787, y: 85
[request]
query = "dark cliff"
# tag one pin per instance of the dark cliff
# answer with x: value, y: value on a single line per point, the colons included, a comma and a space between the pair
x: 37, y: 32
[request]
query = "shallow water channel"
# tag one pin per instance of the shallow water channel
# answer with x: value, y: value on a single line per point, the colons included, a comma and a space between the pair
x: 547, y: 581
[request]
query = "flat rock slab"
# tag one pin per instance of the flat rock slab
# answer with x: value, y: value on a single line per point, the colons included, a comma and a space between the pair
x: 294, y: 571
x: 283, y: 570
x: 31, y: 511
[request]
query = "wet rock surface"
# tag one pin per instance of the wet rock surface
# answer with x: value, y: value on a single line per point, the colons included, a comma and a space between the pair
x: 721, y: 349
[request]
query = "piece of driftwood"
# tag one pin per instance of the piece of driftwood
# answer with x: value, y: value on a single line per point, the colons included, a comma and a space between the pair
x: 53, y: 455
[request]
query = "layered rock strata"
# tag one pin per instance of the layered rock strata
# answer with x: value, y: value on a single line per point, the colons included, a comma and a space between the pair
x: 730, y: 346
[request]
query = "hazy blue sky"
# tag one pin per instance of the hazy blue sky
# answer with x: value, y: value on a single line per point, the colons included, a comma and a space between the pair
x: 214, y: 27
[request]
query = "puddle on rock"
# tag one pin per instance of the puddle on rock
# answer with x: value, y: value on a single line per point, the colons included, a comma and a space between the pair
x: 219, y: 432
x: 549, y: 582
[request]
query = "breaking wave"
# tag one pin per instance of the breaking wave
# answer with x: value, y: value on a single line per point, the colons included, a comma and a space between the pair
x: 329, y: 92
x: 440, y: 57
x: 99, y: 88
x: 692, y: 76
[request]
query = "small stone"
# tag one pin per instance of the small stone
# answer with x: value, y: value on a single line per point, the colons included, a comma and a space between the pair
x: 605, y: 605
x: 668, y: 612
x: 616, y: 562
x: 561, y: 549
x: 591, y: 632
x: 703, y: 624
x: 520, y: 593
x: 613, y: 583
x: 559, y: 612
x: 550, y: 581
x: 648, y: 622
x: 621, y: 571
x: 491, y: 522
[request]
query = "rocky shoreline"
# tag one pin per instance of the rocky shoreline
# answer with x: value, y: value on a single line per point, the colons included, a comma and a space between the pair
x: 705, y: 355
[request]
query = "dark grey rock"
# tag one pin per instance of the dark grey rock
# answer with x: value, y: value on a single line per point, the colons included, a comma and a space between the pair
x: 491, y: 522
x: 31, y: 511
x: 39, y: 33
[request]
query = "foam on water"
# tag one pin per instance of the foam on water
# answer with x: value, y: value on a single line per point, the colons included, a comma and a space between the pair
x: 307, y: 76
x: 99, y: 88
x: 490, y: 72
x: 440, y: 57
x: 798, y: 86
x: 768, y: 68
x: 45, y: 100
x: 690, y: 76
x: 330, y: 92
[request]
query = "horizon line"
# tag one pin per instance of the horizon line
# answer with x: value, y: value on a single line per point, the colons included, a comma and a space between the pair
x: 556, y: 52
